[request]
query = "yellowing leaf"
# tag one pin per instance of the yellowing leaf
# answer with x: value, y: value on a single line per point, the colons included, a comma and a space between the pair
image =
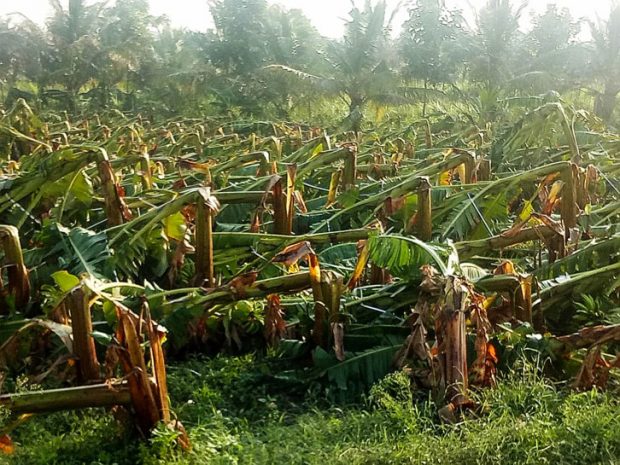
x: 12, y: 166
x: 527, y: 211
x: 65, y: 280
x: 159, y: 170
x: 333, y: 188
x: 380, y: 113
x: 314, y: 269
x: 294, y: 268
x: 318, y: 149
x: 506, y: 267
x: 175, y: 227
x: 362, y: 260
x: 488, y: 301
x: 445, y: 178
x: 555, y: 191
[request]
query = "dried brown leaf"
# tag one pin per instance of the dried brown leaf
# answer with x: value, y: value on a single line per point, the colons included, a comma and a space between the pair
x: 293, y: 253
x: 360, y: 266
x: 275, y: 325
x: 6, y: 445
x: 338, y: 334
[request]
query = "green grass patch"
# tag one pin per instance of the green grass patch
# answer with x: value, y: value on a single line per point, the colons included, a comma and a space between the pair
x: 236, y: 414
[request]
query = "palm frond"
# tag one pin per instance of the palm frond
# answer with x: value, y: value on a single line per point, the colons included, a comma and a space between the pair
x: 323, y: 84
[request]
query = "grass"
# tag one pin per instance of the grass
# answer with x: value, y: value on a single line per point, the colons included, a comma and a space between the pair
x: 236, y: 415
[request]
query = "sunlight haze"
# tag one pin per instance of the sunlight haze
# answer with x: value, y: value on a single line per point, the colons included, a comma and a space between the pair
x: 327, y: 15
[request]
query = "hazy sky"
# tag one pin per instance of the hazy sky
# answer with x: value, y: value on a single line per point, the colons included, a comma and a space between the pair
x: 326, y: 15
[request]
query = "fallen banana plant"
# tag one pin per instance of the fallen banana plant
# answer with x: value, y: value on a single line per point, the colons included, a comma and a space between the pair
x: 141, y: 390
x: 242, y: 234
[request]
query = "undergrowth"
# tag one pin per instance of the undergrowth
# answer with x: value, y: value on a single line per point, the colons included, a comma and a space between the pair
x: 235, y: 413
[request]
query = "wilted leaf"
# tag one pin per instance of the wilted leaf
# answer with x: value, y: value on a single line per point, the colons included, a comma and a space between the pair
x: 333, y: 188
x: 506, y: 267
x: 203, y: 168
x: 594, y: 371
x: 64, y: 332
x: 293, y: 253
x: 178, y: 259
x: 210, y: 200
x: 255, y: 224
x: 239, y: 284
x: 275, y: 326
x: 338, y: 335
x: 552, y: 198
x: 182, y: 437
x: 19, y: 283
x: 299, y: 201
x: 484, y: 367
x: 527, y: 211
x: 6, y: 445
x: 362, y: 260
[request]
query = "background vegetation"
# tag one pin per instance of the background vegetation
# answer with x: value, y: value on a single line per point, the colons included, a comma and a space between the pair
x: 383, y: 248
x: 92, y: 56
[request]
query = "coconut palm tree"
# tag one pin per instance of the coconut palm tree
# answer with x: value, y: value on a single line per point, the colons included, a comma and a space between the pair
x: 605, y: 62
x: 556, y: 57
x: 126, y: 40
x: 432, y: 43
x: 22, y: 45
x: 360, y: 67
x: 75, y: 46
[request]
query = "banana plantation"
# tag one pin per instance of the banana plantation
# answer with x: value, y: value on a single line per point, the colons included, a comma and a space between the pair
x: 376, y: 287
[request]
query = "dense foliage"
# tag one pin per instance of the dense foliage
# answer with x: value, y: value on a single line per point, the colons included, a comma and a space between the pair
x: 236, y: 416
x: 448, y: 211
x: 92, y: 56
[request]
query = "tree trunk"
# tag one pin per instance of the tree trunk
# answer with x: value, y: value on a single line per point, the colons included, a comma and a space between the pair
x: 605, y: 102
x: 83, y: 342
x: 355, y: 112
x: 425, y: 99
x: 204, y: 245
x: 424, y: 226
x: 350, y: 169
x: 280, y: 216
x: 568, y: 208
x: 98, y: 395
x: 451, y: 333
x: 112, y: 201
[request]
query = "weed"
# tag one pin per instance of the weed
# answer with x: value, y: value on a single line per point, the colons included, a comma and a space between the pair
x: 235, y: 414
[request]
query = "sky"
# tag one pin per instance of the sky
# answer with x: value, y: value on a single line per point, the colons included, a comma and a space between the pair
x: 326, y: 15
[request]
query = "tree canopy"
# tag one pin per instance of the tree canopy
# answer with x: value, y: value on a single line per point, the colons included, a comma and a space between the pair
x: 116, y: 55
